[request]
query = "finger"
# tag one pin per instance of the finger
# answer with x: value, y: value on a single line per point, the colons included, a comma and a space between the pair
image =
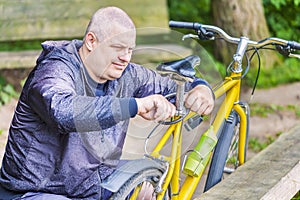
x: 171, y: 110
x: 190, y: 100
x: 164, y: 110
x: 199, y: 107
x: 208, y: 110
x: 161, y: 111
x: 149, y: 115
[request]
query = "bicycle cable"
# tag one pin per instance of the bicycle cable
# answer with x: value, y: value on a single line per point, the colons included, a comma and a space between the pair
x: 148, y: 137
x: 258, y: 70
x: 247, y: 67
x: 256, y: 51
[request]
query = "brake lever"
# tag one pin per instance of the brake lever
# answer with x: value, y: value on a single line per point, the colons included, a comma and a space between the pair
x: 286, y: 51
x: 294, y: 55
x: 208, y: 37
x: 189, y: 36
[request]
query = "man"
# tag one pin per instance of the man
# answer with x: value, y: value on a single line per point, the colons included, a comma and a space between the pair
x: 70, y: 123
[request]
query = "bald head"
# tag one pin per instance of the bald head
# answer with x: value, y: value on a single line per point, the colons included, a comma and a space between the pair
x: 106, y: 19
x: 108, y: 44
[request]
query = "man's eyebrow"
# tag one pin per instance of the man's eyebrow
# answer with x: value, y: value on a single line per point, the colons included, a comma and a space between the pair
x: 122, y: 45
x: 118, y: 44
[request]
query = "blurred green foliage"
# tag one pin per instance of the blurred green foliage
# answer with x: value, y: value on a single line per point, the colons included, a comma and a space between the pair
x: 6, y: 92
x: 190, y: 10
x: 285, y: 73
x: 20, y: 45
x: 283, y: 21
x: 283, y: 15
x: 283, y: 18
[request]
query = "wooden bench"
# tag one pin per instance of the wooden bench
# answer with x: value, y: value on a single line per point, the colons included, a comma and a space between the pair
x: 30, y: 20
x: 272, y: 174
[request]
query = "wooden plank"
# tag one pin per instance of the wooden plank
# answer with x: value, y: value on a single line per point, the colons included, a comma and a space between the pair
x: 287, y: 187
x: 31, y: 19
x: 22, y: 20
x: 15, y: 60
x: 272, y: 174
x: 149, y: 55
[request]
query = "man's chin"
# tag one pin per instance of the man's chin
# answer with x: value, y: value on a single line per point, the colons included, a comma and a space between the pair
x: 111, y: 78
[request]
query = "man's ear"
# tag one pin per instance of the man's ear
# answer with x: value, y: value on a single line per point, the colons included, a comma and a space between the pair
x: 90, y: 41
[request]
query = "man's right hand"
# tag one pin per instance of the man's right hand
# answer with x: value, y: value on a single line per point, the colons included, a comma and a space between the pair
x: 155, y: 107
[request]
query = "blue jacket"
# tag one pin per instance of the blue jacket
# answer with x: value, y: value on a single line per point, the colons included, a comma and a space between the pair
x: 63, y: 139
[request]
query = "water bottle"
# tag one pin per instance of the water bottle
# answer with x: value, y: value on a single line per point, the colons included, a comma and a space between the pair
x: 195, y: 162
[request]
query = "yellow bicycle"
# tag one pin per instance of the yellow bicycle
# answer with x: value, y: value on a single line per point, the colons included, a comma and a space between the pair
x: 223, y: 144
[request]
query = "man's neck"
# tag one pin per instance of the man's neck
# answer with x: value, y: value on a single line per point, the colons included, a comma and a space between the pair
x: 83, y: 53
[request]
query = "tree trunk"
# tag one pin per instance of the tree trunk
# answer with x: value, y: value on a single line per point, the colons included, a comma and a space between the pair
x: 241, y: 18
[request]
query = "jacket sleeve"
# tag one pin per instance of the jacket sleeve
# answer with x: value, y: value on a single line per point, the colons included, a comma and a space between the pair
x: 147, y: 82
x: 51, y: 94
x: 150, y: 82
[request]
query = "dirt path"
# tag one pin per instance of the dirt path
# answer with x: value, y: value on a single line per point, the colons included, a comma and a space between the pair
x: 281, y: 120
x: 261, y: 127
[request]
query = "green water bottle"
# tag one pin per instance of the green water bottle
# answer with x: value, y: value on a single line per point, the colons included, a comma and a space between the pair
x: 194, y: 164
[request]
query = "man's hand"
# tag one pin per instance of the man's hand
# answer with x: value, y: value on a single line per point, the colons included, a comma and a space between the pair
x: 155, y: 107
x: 200, y: 100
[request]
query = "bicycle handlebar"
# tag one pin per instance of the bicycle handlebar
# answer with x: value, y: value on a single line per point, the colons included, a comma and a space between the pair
x: 294, y: 45
x: 209, y: 32
x: 187, y: 25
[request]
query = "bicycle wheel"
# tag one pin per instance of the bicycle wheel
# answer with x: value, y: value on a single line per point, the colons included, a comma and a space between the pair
x: 150, y: 176
x: 225, y: 156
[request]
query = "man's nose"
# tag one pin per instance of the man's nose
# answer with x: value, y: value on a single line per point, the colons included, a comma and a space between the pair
x: 125, y: 57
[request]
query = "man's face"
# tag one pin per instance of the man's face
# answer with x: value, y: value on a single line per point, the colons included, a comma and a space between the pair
x: 109, y: 57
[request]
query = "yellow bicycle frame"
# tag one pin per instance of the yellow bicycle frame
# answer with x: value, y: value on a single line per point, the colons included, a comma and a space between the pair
x: 230, y: 87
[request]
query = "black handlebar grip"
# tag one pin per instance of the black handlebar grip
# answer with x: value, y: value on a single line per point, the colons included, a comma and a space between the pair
x: 294, y: 45
x: 187, y: 25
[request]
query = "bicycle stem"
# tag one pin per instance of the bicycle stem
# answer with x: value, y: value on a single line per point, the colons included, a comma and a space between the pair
x: 238, y: 56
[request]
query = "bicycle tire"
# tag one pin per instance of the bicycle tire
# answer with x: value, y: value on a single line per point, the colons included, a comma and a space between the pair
x: 223, y: 148
x: 149, y: 175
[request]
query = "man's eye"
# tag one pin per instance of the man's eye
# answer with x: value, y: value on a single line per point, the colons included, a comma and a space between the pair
x: 117, y: 47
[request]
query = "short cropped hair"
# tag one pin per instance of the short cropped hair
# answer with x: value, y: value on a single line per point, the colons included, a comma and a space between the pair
x: 103, y: 19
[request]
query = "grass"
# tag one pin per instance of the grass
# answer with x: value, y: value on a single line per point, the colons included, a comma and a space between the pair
x: 295, y: 108
x: 263, y: 110
x: 21, y: 45
x: 256, y: 145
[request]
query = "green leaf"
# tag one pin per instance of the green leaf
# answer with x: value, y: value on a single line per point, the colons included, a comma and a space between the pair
x: 278, y: 3
x: 9, y: 89
x: 5, y: 97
